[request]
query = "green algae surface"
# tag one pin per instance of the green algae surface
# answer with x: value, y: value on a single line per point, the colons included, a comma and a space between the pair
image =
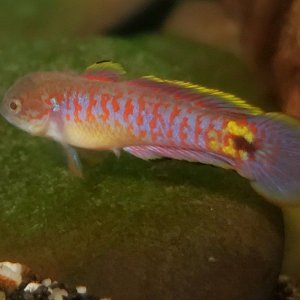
x: 80, y: 230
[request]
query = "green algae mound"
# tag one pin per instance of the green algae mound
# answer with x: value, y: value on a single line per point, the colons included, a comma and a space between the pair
x: 133, y: 229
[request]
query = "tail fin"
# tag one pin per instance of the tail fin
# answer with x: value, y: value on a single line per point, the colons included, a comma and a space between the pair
x: 275, y: 167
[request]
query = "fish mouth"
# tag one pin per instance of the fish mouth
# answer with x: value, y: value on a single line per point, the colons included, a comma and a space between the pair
x: 33, y: 129
x: 37, y: 129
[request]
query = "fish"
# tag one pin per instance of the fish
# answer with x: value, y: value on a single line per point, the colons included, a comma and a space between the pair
x: 153, y: 118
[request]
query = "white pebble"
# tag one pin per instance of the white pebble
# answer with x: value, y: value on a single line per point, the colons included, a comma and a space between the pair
x: 57, y: 294
x: 46, y: 282
x: 31, y: 287
x: 212, y: 259
x: 14, y: 267
x: 81, y: 289
x: 11, y: 272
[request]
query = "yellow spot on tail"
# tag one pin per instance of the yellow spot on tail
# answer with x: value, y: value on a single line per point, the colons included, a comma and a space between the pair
x: 229, y: 149
x: 244, y: 131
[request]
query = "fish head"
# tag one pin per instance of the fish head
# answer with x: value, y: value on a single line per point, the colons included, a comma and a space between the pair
x: 27, y: 103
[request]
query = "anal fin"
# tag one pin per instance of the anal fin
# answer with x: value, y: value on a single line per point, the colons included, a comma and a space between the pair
x: 143, y: 152
x: 156, y: 152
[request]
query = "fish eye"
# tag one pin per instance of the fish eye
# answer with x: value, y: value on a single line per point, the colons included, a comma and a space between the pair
x: 15, y: 106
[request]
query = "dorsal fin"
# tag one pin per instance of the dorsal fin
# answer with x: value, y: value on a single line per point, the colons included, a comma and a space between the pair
x: 104, y: 70
x: 198, y: 95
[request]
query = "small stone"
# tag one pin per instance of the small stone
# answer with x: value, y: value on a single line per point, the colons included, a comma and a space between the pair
x: 26, y: 296
x: 10, y: 275
x: 46, y: 282
x: 42, y: 293
x: 58, y: 294
x: 56, y: 284
x: 14, y: 267
x: 32, y: 287
x: 81, y: 289
x: 212, y: 259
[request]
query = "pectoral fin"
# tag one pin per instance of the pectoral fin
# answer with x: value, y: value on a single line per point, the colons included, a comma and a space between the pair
x: 73, y: 161
x: 117, y: 152
x: 56, y: 132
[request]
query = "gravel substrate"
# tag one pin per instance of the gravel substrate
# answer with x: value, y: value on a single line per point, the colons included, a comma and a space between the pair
x: 18, y: 282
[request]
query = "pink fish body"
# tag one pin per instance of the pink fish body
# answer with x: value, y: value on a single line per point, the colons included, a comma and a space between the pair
x: 152, y: 118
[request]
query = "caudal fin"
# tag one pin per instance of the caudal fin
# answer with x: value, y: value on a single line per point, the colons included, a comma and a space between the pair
x: 275, y: 167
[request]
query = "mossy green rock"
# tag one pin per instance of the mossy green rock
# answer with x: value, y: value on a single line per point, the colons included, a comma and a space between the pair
x: 133, y: 229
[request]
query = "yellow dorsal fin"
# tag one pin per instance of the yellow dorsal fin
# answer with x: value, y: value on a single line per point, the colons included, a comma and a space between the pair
x: 210, y: 98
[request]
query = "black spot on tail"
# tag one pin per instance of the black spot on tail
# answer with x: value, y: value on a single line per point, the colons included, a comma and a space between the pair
x: 242, y: 144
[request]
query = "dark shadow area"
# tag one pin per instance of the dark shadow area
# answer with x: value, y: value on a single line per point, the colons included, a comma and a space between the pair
x: 148, y: 19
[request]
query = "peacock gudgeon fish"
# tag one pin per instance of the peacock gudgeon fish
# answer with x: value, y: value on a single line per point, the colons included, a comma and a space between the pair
x: 152, y: 118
